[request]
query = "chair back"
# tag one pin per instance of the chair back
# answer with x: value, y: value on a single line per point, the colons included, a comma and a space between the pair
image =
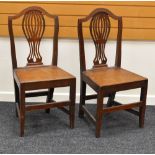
x: 33, y: 25
x: 99, y: 28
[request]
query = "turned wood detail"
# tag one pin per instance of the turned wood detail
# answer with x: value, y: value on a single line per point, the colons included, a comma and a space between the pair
x: 33, y: 26
x: 99, y: 30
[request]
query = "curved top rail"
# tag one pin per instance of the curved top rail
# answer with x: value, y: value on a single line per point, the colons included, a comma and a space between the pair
x: 32, y: 8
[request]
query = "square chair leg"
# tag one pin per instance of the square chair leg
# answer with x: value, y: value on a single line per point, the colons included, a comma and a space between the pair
x: 22, y: 111
x: 49, y: 98
x: 72, y: 104
x: 99, y: 113
x: 143, y: 106
x: 82, y: 98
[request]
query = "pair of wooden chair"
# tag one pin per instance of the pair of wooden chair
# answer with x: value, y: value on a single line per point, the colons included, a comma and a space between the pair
x: 106, y: 81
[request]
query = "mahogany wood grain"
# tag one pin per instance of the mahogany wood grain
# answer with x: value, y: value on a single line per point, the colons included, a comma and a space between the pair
x: 45, y: 73
x: 108, y: 73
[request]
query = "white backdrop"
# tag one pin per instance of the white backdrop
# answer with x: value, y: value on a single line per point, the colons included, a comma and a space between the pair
x: 137, y: 56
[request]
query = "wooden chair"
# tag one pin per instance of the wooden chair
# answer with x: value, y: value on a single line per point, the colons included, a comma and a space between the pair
x: 35, y: 75
x: 106, y: 81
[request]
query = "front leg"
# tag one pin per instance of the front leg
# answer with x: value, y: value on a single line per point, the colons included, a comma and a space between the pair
x: 143, y: 106
x: 22, y: 110
x: 99, y: 113
x: 72, y: 104
x: 82, y: 98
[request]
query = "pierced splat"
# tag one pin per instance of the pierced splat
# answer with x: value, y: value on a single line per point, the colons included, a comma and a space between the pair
x: 99, y: 30
x: 33, y: 26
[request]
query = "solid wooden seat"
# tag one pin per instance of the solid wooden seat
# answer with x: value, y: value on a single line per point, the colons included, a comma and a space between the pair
x: 111, y: 76
x: 105, y: 80
x: 35, y: 76
x: 41, y: 73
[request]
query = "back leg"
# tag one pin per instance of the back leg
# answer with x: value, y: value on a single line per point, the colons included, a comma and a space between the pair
x: 82, y: 98
x: 111, y: 99
x: 16, y: 96
x: 49, y: 98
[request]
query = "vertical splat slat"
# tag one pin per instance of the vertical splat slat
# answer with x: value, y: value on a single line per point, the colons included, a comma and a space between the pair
x: 33, y: 26
x: 99, y: 30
